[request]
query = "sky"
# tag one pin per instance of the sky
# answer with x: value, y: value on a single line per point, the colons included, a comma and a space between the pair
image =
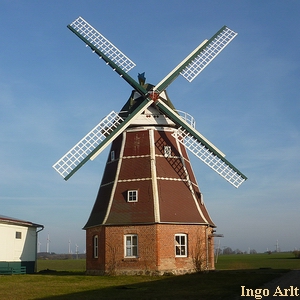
x: 53, y: 90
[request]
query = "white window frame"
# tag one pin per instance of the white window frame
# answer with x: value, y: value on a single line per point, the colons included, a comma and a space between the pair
x: 132, y: 195
x: 131, y: 245
x: 18, y: 235
x: 95, y: 246
x: 167, y: 151
x: 180, y: 240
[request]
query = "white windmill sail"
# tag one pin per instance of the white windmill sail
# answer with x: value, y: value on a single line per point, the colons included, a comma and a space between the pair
x: 102, y: 43
x: 199, y: 59
x: 77, y: 155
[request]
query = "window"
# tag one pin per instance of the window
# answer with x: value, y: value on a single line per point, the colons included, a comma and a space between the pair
x: 95, y: 246
x: 112, y: 155
x: 167, y: 151
x: 181, y: 245
x: 132, y: 196
x: 18, y: 235
x: 131, y: 245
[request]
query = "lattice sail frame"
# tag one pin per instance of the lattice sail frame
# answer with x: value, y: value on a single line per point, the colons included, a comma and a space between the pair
x: 103, y: 44
x: 189, y: 68
x: 84, y: 148
x: 208, y: 157
x: 200, y: 62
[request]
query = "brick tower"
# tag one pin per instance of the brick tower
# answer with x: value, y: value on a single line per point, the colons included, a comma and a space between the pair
x: 149, y: 215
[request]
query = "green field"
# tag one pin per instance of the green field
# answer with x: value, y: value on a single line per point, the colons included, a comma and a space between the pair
x: 65, y: 279
x: 284, y: 260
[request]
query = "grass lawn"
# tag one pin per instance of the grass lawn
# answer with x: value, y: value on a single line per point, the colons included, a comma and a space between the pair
x: 67, y: 281
x: 285, y: 260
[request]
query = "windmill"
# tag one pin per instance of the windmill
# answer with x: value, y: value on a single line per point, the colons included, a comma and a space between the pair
x: 148, y: 189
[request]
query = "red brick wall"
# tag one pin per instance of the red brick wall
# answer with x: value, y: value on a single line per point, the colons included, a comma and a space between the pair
x: 156, y: 249
x: 91, y: 262
x: 197, y: 242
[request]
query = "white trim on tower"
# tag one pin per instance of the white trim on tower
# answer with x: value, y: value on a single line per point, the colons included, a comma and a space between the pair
x: 154, y: 176
x: 116, y: 179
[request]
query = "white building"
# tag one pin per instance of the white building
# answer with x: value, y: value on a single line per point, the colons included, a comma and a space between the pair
x: 18, y: 245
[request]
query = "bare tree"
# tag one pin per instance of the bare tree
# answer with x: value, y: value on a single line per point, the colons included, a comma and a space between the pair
x: 112, y: 264
x: 199, y: 254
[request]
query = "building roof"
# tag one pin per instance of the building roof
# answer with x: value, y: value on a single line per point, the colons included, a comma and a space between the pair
x: 15, y: 221
x: 166, y: 185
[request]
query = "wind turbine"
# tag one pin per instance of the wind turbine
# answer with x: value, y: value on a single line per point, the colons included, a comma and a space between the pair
x: 39, y: 247
x: 76, y: 251
x: 48, y: 244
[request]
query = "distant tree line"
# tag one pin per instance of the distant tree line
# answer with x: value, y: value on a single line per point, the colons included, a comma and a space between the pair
x: 52, y: 255
x: 228, y: 250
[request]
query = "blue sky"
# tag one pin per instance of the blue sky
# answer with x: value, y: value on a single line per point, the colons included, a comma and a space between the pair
x: 53, y: 90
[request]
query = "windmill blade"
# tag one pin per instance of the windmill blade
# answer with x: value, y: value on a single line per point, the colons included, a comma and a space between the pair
x: 202, y: 148
x: 94, y: 37
x: 92, y: 144
x: 199, y: 59
x: 106, y: 50
x: 219, y: 164
x: 112, y: 125
x: 81, y: 152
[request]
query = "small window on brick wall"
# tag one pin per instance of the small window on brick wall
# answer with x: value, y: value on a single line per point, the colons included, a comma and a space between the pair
x: 131, y: 245
x: 112, y: 155
x: 18, y: 235
x: 132, y: 196
x: 180, y: 245
x: 95, y: 246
